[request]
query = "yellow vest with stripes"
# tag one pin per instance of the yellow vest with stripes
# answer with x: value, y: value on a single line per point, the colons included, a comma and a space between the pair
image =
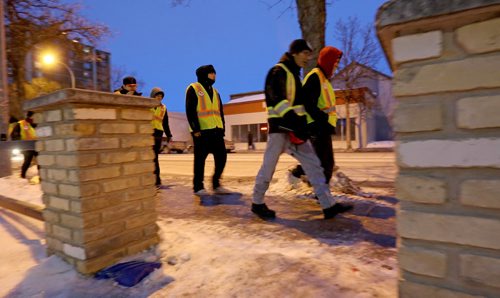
x: 27, y: 131
x: 326, y: 100
x: 158, y: 114
x: 208, y: 110
x: 287, y: 104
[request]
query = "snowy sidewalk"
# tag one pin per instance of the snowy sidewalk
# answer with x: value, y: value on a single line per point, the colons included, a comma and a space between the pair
x: 217, y: 247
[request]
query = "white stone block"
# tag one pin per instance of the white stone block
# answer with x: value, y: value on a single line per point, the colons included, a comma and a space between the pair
x: 74, y: 251
x: 484, y: 152
x: 43, y: 131
x: 417, y: 46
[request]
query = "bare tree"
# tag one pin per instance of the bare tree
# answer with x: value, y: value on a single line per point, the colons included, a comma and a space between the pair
x: 34, y: 22
x: 361, y: 52
x: 311, y: 17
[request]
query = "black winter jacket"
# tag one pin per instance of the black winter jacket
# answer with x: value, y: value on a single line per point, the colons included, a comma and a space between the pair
x: 275, y: 91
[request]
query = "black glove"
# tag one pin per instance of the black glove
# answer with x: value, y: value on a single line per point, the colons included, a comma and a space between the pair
x: 301, y: 133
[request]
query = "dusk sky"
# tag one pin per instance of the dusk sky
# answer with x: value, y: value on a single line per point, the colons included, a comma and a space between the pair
x: 163, y: 45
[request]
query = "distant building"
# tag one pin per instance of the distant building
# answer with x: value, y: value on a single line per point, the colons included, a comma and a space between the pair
x: 91, y: 67
x: 371, y: 109
x: 247, y: 112
x: 379, y: 113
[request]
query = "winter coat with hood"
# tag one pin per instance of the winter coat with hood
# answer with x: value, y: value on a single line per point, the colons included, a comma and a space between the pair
x: 166, y: 128
x: 192, y: 102
x: 276, y: 91
x: 312, y: 87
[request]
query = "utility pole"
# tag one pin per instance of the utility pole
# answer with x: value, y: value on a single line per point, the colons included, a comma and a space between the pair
x: 5, y: 152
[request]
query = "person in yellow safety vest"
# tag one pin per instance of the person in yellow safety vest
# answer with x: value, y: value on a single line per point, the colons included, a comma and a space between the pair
x: 129, y: 87
x: 26, y: 131
x: 13, y: 123
x: 284, y: 100
x: 206, y: 122
x: 160, y: 127
x: 320, y: 108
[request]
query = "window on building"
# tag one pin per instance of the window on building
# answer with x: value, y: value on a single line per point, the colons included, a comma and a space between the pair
x: 340, y: 130
x: 87, y: 65
x: 240, y: 132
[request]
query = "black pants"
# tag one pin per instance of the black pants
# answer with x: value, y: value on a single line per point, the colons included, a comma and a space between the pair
x: 323, y: 147
x: 156, y: 149
x: 203, y: 145
x: 28, y: 157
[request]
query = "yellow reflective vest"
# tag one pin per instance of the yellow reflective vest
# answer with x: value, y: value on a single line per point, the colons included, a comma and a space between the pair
x: 326, y: 100
x: 27, y: 131
x: 208, y: 110
x: 287, y: 104
x: 158, y: 114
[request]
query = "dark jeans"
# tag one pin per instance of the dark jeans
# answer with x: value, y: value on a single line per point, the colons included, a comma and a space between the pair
x: 323, y: 147
x: 28, y: 157
x: 203, y: 145
x: 156, y: 149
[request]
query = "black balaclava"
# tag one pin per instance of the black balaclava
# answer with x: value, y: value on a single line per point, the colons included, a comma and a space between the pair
x: 202, y: 75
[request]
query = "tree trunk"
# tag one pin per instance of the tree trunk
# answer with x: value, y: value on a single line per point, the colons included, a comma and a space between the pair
x: 312, y: 16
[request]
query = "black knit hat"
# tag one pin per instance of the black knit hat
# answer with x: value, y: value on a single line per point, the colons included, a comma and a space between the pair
x: 129, y: 80
x: 298, y: 46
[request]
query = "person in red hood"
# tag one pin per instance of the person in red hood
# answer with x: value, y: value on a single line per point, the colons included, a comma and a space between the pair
x: 320, y: 106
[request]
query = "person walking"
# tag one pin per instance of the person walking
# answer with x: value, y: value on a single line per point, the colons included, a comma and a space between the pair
x: 129, y: 87
x: 288, y: 132
x: 206, y: 122
x: 251, y: 146
x: 25, y: 130
x: 160, y: 127
x: 320, y: 108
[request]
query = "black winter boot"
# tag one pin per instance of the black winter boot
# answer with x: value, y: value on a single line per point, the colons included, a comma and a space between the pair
x: 336, y: 209
x: 262, y: 211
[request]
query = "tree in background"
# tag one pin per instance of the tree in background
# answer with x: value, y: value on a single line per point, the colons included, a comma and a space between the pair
x: 360, y: 48
x: 31, y: 23
x: 312, y: 20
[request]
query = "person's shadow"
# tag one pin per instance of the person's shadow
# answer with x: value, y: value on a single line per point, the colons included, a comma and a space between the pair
x: 221, y: 199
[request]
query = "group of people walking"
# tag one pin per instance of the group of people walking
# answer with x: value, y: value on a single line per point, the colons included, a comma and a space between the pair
x: 297, y: 112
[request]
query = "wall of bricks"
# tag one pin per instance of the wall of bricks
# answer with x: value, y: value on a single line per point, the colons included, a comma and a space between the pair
x: 96, y: 167
x: 446, y: 62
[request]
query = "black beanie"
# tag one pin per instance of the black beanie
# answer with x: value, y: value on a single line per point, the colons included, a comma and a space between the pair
x: 203, y: 71
x: 298, y: 46
x: 129, y: 80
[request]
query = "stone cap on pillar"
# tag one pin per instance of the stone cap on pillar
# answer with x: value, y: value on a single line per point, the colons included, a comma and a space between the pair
x: 402, y: 17
x: 87, y: 97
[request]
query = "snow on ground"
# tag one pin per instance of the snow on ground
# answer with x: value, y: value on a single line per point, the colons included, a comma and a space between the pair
x: 381, y: 144
x: 201, y: 257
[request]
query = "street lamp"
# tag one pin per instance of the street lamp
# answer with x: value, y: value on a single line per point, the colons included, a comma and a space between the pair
x: 50, y: 59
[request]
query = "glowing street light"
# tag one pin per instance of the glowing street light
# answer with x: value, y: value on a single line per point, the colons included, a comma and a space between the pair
x: 50, y: 59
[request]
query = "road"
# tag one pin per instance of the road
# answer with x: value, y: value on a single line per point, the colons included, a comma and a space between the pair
x: 369, y: 167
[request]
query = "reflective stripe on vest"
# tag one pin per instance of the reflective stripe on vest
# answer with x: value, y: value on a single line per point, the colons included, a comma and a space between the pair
x: 27, y: 131
x: 286, y: 105
x: 208, y: 110
x: 326, y: 100
x: 158, y: 114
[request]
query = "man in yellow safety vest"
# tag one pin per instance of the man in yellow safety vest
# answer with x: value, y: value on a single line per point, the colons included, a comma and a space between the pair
x: 206, y: 123
x: 160, y: 126
x: 26, y: 131
x: 288, y: 132
x: 320, y: 108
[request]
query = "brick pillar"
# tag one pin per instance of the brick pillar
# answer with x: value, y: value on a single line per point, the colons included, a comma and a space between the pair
x: 96, y: 166
x: 446, y: 61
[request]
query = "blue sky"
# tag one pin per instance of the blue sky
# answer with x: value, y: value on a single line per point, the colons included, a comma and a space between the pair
x: 164, y: 45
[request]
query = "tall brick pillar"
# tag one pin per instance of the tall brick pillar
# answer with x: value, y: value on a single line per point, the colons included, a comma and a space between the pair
x: 446, y: 61
x: 96, y: 166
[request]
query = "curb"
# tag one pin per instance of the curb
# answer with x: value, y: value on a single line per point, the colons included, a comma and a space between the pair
x: 25, y: 208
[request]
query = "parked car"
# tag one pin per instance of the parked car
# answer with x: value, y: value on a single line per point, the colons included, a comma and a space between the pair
x: 174, y: 146
x: 229, y: 146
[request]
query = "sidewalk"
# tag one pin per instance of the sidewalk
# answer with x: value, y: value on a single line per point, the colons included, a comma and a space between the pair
x: 297, y: 255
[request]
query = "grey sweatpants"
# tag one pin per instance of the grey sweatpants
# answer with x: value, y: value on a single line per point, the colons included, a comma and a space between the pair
x: 279, y: 143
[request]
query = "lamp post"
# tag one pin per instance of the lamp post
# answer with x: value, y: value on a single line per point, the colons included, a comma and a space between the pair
x: 50, y: 59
